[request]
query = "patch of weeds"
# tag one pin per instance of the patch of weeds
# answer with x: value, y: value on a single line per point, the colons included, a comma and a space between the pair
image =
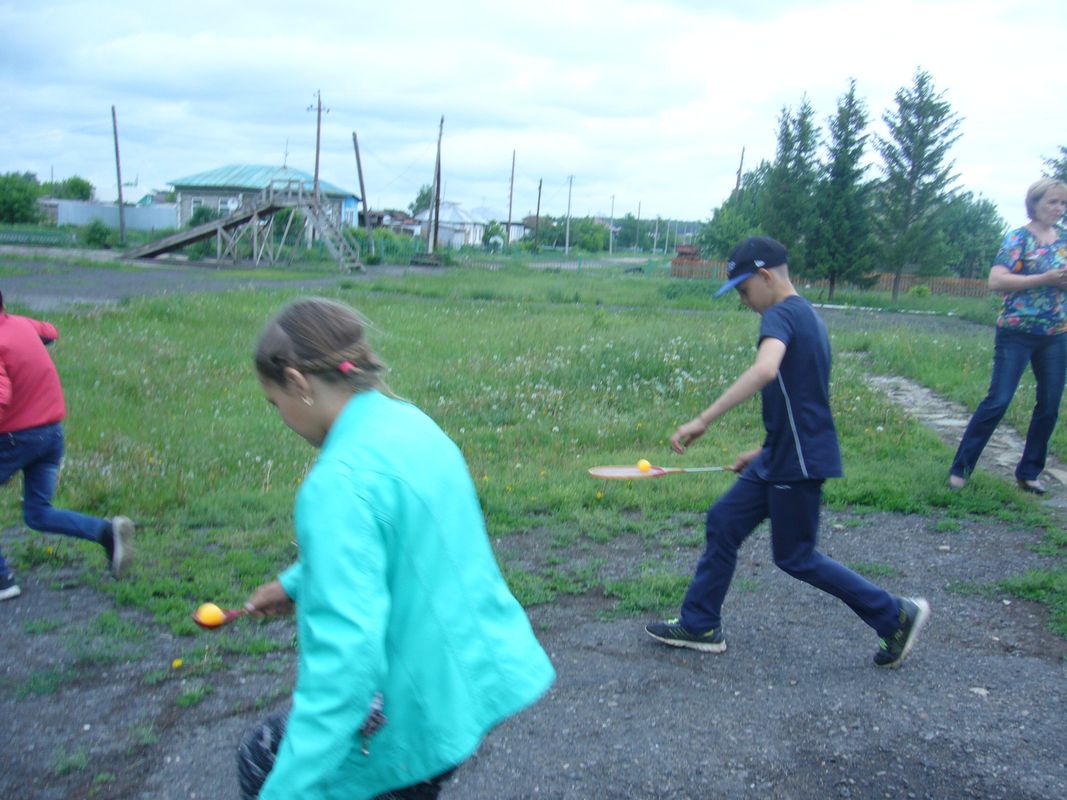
x: 45, y: 682
x: 745, y: 585
x: 190, y: 697
x: 971, y: 589
x: 64, y: 762
x: 100, y: 782
x: 157, y: 676
x: 37, y: 551
x: 1043, y: 586
x: 267, y: 699
x: 42, y: 625
x: 652, y: 592
x: 143, y: 734
x: 948, y: 526
x: 111, y: 625
x: 872, y: 569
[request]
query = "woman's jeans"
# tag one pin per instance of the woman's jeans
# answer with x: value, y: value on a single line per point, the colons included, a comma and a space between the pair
x: 1013, y: 350
x: 38, y: 453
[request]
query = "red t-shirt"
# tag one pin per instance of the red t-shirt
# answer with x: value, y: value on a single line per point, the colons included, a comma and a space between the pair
x: 30, y: 392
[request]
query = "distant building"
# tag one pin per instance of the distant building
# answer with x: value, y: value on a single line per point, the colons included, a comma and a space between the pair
x: 229, y: 188
x: 459, y: 227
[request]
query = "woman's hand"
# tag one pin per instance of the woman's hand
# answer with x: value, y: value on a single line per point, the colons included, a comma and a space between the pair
x: 687, y: 434
x: 269, y: 600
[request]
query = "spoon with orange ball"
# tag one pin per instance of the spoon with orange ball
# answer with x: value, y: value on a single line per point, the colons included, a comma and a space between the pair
x: 211, y: 616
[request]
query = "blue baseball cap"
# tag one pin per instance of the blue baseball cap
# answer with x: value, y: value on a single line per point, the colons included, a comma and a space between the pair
x: 755, y: 253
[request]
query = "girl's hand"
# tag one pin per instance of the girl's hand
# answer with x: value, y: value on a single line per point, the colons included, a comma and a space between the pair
x: 687, y: 434
x: 269, y: 600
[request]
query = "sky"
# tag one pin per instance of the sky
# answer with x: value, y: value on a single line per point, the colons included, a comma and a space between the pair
x: 642, y: 107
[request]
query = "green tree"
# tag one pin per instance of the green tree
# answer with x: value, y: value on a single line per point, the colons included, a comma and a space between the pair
x: 1057, y: 167
x: 788, y: 200
x: 494, y: 230
x: 18, y: 197
x: 737, y: 218
x: 589, y: 235
x: 422, y: 200
x: 917, y: 177
x: 73, y: 188
x: 973, y: 231
x: 841, y: 244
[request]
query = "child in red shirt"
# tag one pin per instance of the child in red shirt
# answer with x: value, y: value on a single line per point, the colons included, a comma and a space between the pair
x: 31, y: 441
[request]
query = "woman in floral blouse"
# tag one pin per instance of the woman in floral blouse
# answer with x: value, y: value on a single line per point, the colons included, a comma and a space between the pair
x: 1031, y: 271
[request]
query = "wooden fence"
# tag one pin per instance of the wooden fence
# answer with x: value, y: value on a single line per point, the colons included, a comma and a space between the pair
x: 955, y: 287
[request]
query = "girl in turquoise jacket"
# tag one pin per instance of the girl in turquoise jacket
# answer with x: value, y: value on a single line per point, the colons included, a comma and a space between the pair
x: 411, y: 648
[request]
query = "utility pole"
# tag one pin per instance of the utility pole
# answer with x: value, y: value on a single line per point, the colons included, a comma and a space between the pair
x: 567, y: 241
x: 318, y: 139
x: 537, y: 217
x: 611, y: 227
x: 435, y: 209
x: 118, y: 174
x: 363, y: 195
x: 511, y: 195
x: 740, y: 166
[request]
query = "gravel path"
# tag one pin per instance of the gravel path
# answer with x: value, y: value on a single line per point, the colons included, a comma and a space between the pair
x: 793, y: 709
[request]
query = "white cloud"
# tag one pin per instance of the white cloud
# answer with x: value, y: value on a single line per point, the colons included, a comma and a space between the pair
x: 650, y: 102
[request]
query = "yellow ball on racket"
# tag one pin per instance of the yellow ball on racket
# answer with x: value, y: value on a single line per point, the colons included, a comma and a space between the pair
x: 643, y: 465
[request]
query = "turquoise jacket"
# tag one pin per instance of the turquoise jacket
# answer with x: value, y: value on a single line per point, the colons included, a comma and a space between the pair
x: 397, y: 591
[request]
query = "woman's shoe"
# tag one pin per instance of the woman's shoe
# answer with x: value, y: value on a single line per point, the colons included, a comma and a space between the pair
x: 956, y: 482
x: 1034, y: 486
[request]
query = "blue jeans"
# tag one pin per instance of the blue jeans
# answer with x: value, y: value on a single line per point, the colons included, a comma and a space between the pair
x: 38, y: 453
x: 793, y: 509
x: 1012, y: 351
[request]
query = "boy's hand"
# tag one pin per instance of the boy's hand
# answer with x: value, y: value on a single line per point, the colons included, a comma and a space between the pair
x: 743, y: 460
x: 269, y: 600
x: 687, y: 434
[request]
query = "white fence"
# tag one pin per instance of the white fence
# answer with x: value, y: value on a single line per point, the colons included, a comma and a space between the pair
x: 138, y: 218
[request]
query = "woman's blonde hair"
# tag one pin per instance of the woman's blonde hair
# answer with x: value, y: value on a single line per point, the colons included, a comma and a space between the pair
x: 1039, y: 189
x: 319, y: 337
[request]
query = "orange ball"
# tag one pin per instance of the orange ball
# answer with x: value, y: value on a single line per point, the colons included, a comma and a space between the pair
x: 210, y: 614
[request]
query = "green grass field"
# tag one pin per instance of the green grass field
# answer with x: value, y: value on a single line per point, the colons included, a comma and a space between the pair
x: 536, y: 374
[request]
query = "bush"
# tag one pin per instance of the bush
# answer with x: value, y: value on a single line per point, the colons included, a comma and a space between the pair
x: 98, y: 235
x: 919, y: 290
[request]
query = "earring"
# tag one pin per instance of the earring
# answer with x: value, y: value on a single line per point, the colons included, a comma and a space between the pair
x: 308, y: 401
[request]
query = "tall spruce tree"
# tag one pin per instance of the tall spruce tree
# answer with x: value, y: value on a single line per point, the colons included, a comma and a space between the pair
x: 788, y: 199
x: 1057, y: 167
x: 917, y: 176
x: 841, y: 245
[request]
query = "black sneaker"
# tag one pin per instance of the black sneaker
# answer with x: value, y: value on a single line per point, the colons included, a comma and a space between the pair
x: 8, y: 587
x: 913, y: 615
x: 671, y: 632
x: 118, y: 542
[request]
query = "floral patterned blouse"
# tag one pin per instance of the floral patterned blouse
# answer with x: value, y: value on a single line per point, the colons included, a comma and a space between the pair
x: 1042, y: 310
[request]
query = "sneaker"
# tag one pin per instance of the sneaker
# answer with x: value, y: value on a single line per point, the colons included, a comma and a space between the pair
x: 893, y: 650
x: 8, y: 587
x: 671, y: 632
x: 119, y: 545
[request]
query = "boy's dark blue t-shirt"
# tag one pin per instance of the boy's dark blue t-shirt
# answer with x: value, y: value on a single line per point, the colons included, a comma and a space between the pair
x: 801, y: 441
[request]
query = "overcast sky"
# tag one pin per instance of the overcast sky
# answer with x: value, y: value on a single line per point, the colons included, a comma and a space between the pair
x: 644, y: 102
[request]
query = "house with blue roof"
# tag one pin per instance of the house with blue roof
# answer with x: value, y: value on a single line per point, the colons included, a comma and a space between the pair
x: 226, y: 189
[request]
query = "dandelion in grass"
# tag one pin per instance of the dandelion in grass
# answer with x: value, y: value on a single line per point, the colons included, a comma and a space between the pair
x: 176, y: 663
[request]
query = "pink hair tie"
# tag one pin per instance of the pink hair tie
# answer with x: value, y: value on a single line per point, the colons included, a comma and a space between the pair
x: 346, y: 367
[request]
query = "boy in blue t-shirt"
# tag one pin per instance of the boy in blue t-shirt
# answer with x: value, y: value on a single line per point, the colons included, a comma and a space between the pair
x: 783, y: 479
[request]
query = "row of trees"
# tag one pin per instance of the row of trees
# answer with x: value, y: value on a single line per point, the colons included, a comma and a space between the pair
x: 840, y: 225
x: 19, y: 192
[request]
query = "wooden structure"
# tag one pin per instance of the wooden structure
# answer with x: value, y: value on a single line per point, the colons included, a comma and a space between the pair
x: 255, y: 222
